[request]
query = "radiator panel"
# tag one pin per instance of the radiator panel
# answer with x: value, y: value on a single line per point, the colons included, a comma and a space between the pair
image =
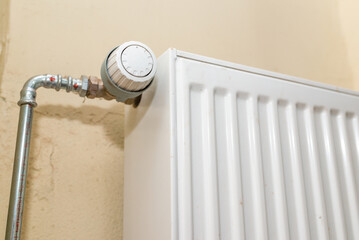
x: 220, y: 151
x: 269, y: 158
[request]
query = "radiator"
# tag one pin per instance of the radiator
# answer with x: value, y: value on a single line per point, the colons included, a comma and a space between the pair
x: 219, y: 151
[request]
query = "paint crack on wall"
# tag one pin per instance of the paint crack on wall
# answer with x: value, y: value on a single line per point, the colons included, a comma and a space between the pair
x: 52, y: 181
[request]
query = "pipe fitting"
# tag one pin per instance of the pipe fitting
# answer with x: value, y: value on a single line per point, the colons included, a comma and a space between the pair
x: 28, y: 92
x: 57, y: 82
x: 96, y: 89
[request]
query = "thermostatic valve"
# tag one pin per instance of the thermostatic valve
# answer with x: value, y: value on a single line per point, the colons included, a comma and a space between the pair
x: 128, y: 70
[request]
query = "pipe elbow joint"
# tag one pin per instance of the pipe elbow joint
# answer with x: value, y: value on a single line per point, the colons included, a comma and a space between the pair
x: 28, y: 92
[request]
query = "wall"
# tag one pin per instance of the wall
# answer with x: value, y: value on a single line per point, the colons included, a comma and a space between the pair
x: 76, y: 160
x: 4, y: 23
x: 348, y: 14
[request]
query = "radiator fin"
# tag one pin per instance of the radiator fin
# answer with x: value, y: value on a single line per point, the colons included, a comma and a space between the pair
x: 229, y: 176
x: 251, y: 170
x: 330, y: 175
x: 277, y: 214
x: 346, y: 175
x: 312, y: 173
x: 294, y: 182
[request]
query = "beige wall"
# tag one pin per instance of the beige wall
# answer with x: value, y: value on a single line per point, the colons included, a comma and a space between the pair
x: 76, y: 161
x: 349, y: 20
x: 4, y: 23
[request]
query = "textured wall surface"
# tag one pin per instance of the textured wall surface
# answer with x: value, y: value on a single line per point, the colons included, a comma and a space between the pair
x: 75, y: 182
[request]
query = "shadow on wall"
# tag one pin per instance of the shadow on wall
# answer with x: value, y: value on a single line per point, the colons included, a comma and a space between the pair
x: 89, y: 115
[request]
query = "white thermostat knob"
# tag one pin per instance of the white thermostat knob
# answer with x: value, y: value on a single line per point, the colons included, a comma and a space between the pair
x: 137, y: 60
x: 128, y: 70
x: 131, y: 66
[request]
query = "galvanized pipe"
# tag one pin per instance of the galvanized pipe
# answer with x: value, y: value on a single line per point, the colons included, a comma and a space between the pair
x: 18, y: 184
x: 27, y: 102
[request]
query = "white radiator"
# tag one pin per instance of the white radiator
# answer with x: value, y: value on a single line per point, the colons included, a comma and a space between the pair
x: 220, y: 151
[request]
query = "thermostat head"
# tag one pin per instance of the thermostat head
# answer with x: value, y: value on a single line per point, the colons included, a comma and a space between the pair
x: 128, y: 70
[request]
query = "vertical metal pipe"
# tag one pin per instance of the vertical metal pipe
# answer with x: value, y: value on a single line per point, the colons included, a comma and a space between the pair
x: 27, y: 102
x: 18, y: 184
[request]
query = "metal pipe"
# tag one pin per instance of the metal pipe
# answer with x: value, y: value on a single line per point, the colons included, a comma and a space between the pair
x: 27, y: 103
x: 18, y: 184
